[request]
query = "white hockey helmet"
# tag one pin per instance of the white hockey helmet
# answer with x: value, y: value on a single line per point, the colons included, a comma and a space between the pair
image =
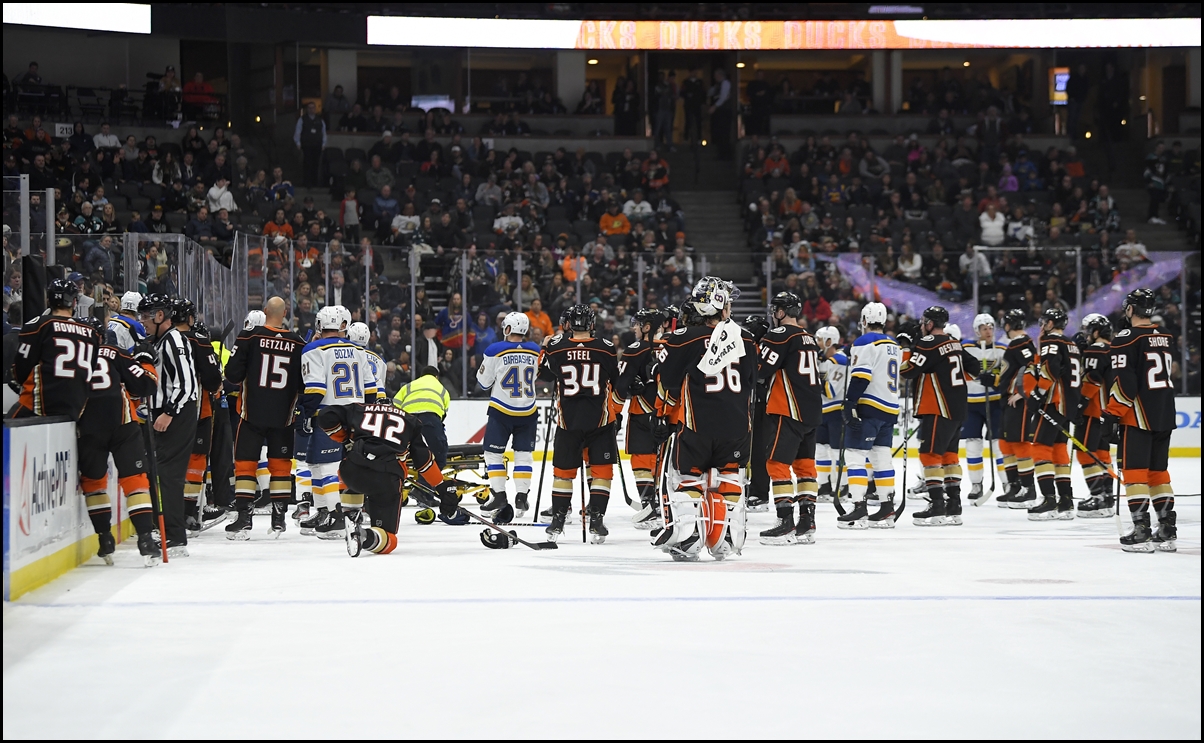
x: 344, y: 316
x: 1087, y: 319
x: 953, y: 331
x: 358, y: 334
x: 711, y: 295
x: 517, y: 323
x: 983, y: 319
x: 873, y: 313
x: 329, y: 319
x: 255, y: 319
x: 130, y: 300
x: 827, y: 336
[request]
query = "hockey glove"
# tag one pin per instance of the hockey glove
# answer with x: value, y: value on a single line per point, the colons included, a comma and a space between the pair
x: 1038, y: 395
x: 850, y: 414
x: 986, y: 379
x: 904, y: 339
x: 144, y: 353
x: 449, y: 499
x: 303, y: 425
x: 618, y: 421
x: 660, y: 430
x: 1110, y: 434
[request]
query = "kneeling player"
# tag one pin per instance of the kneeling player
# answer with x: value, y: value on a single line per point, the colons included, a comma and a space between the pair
x: 508, y: 371
x: 374, y: 468
x: 871, y: 409
x: 709, y: 373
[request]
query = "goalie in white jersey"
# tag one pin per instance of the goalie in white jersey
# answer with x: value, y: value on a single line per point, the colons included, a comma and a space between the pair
x: 983, y: 403
x: 834, y: 370
x: 335, y: 372
x: 508, y: 371
x: 871, y: 408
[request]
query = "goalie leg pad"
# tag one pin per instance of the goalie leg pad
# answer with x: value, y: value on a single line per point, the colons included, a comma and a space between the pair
x: 684, y: 512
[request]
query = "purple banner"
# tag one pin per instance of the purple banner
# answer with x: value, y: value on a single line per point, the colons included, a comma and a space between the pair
x: 909, y: 299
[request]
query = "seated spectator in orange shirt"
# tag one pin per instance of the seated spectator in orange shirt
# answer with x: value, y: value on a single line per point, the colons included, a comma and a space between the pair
x: 656, y: 171
x: 777, y: 159
x: 198, y: 92
x: 278, y: 226
x: 613, y: 222
x: 539, y: 318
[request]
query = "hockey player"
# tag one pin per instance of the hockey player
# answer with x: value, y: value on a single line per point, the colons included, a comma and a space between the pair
x: 982, y: 403
x: 508, y: 372
x: 359, y: 334
x: 757, y: 497
x: 1052, y: 384
x: 637, y: 382
x: 585, y: 370
x: 109, y: 425
x: 871, y: 409
x: 335, y: 372
x: 54, y: 358
x: 834, y: 371
x: 708, y: 376
x: 789, y: 359
x: 1142, y: 397
x: 1008, y: 379
x: 940, y: 365
x: 1095, y: 424
x: 374, y: 468
x: 209, y: 377
x: 126, y: 329
x: 266, y: 364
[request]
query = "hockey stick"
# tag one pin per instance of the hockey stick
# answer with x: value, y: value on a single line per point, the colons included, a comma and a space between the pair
x: 547, y: 437
x: 584, y: 493
x: 906, y: 438
x: 153, y: 465
x: 986, y: 403
x: 1078, y: 444
x: 906, y: 419
x: 840, y: 458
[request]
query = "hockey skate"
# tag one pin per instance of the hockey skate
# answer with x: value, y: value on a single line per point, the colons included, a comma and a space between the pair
x: 1013, y: 492
x: 493, y: 503
x: 648, y: 516
x: 934, y: 515
x: 108, y: 545
x: 176, y: 548
x: 782, y: 532
x: 953, y: 510
x: 521, y: 505
x: 1026, y: 499
x: 804, y: 530
x: 1065, y: 510
x: 1046, y: 510
x: 240, y: 530
x: 211, y: 516
x: 1140, y: 539
x: 556, y: 525
x: 757, y: 504
x: 1164, y: 538
x: 824, y: 495
x: 977, y: 495
x: 597, y: 529
x: 310, y: 524
x: 355, y: 532
x: 304, y: 508
x: 279, y: 509
x: 1096, y: 507
x: 858, y: 518
x: 149, y: 551
x: 686, y: 551
x: 332, y: 526
x: 884, y: 518
x: 263, y: 503
x: 919, y: 491
x: 546, y: 516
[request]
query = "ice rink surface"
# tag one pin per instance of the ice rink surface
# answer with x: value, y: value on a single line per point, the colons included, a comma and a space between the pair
x: 998, y: 628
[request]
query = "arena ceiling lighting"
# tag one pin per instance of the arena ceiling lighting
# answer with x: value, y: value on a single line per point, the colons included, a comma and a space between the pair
x: 129, y: 18
x: 508, y: 33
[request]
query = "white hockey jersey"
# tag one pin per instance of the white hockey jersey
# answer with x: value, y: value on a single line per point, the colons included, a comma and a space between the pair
x: 338, y: 370
x: 835, y: 372
x: 874, y: 379
x: 508, y: 371
x: 127, y: 331
x: 990, y: 359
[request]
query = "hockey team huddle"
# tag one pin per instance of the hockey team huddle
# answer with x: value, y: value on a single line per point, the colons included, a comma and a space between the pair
x: 722, y: 419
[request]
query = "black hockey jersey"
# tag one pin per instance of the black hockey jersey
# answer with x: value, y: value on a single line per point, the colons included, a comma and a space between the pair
x: 585, y: 372
x: 53, y: 365
x: 717, y: 405
x: 638, y: 362
x: 1097, y: 378
x: 1058, y: 370
x: 266, y: 363
x: 942, y: 366
x: 118, y: 382
x: 790, y: 361
x: 1142, y: 392
x: 382, y: 436
x: 1019, y: 354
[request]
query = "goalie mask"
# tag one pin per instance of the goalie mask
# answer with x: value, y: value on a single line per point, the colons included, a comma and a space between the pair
x: 711, y: 296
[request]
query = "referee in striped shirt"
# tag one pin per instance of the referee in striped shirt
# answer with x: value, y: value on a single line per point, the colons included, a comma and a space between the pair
x: 174, y: 408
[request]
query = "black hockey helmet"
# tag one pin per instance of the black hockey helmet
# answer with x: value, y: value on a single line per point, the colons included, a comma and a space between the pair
x: 182, y: 310
x: 96, y: 324
x: 201, y: 329
x: 580, y: 318
x: 787, y: 302
x: 937, y: 315
x: 906, y: 335
x: 1015, y: 320
x: 61, y: 294
x: 757, y: 325
x: 154, y: 303
x: 1056, y: 316
x: 672, y: 312
x: 1099, y: 324
x: 1142, y: 301
x: 651, y: 316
